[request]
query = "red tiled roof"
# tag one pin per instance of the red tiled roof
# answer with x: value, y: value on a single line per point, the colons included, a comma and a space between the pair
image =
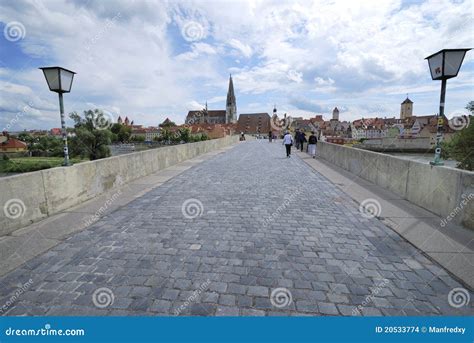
x: 13, y: 143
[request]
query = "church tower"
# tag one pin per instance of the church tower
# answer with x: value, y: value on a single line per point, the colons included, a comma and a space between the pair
x: 231, y: 106
x: 406, y: 109
x: 335, y: 114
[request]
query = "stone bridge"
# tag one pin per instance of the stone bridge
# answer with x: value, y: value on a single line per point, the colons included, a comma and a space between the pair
x: 238, y: 230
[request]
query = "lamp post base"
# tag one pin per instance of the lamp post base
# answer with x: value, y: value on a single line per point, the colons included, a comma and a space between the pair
x: 437, y: 163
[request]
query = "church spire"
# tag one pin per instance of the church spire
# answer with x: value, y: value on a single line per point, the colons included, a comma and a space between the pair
x: 230, y: 92
x: 231, y: 106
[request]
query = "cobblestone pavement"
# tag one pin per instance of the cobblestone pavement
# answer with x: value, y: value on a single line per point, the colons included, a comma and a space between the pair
x: 238, y: 234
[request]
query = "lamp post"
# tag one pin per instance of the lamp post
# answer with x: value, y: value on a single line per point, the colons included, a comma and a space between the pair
x: 60, y: 81
x: 444, y: 65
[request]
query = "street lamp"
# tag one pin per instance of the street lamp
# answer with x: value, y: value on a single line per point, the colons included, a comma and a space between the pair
x: 444, y: 65
x: 60, y: 81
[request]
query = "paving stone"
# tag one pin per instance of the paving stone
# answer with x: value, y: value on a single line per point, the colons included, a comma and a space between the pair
x: 258, y: 291
x: 252, y: 312
x: 228, y: 260
x: 227, y: 299
x: 161, y: 306
x: 328, y: 308
x: 170, y: 294
x: 227, y: 311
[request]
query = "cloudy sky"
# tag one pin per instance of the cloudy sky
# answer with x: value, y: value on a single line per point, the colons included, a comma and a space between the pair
x: 155, y: 59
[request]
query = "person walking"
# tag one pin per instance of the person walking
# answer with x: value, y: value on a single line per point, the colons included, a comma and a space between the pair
x: 270, y: 136
x: 312, y: 140
x: 297, y: 138
x: 288, y: 142
x: 302, y: 140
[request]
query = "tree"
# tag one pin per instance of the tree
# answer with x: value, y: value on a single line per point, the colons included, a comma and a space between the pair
x: 122, y: 132
x: 28, y: 139
x: 138, y: 139
x: 184, y: 134
x: 166, y: 135
x: 46, y: 146
x: 461, y: 146
x: 92, y: 136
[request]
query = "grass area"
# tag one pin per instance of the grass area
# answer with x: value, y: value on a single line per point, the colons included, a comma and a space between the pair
x: 28, y: 164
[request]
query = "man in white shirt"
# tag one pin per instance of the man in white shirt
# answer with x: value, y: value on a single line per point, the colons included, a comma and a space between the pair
x: 288, y: 142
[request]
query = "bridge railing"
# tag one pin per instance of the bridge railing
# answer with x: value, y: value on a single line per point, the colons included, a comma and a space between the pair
x: 447, y: 192
x: 29, y: 197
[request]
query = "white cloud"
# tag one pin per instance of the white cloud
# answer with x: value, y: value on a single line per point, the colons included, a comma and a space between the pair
x: 244, y: 49
x: 146, y: 59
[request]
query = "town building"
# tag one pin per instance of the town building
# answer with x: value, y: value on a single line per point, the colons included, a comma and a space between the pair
x: 206, y: 116
x: 11, y: 145
x: 406, y: 109
x: 254, y: 123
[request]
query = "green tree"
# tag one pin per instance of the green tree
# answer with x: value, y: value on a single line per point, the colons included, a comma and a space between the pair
x: 47, y: 145
x: 28, y: 139
x: 461, y: 146
x: 122, y: 132
x: 93, y: 135
x: 166, y: 135
x: 184, y: 134
x: 138, y: 139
